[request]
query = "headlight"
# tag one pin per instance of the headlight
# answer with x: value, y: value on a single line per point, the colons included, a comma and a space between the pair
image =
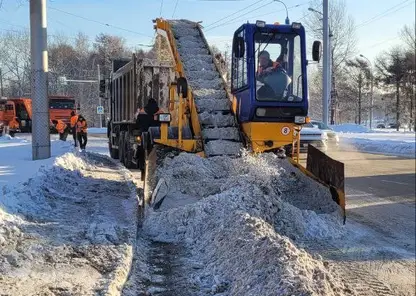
x: 164, y: 117
x: 296, y: 25
x: 300, y: 119
x: 260, y: 24
x: 260, y: 112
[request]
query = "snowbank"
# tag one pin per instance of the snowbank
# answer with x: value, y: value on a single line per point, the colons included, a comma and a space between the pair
x: 384, y: 141
x: 350, y: 128
x: 10, y: 139
x: 235, y: 216
x: 383, y: 146
x: 16, y: 164
x: 69, y: 229
x: 97, y: 130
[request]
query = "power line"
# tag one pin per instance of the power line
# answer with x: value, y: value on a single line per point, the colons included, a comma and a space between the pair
x: 384, y: 13
x: 101, y: 23
x: 233, y: 19
x: 161, y: 7
x: 238, y: 19
x: 174, y: 10
x: 244, y: 8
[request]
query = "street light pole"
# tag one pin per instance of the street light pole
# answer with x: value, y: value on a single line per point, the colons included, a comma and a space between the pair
x: 326, y: 79
x: 372, y: 93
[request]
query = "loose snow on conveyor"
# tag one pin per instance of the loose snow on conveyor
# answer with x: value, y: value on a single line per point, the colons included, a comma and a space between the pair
x: 235, y: 217
x: 219, y: 131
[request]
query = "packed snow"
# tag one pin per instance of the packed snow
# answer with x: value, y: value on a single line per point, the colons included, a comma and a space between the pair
x: 236, y: 218
x: 384, y: 141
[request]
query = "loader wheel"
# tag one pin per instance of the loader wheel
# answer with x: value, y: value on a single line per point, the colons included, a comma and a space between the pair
x: 121, y: 147
x: 128, y: 152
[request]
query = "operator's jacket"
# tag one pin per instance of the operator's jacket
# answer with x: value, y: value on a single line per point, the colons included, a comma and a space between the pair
x: 82, y: 126
x: 273, y: 65
x: 74, y: 120
x: 60, y: 126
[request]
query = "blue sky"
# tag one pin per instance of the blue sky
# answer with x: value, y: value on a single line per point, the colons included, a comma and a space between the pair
x: 132, y: 19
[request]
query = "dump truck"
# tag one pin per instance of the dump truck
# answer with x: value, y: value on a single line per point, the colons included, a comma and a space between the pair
x: 263, y: 111
x: 16, y: 113
x: 132, y: 82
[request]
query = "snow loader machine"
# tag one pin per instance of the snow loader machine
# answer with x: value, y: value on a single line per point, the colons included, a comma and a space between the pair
x: 262, y: 111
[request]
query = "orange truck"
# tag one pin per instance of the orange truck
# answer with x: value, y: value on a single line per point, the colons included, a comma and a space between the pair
x: 16, y: 113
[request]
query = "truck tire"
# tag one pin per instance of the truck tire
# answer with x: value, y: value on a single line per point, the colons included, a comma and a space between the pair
x: 128, y: 152
x: 113, y: 151
x: 121, y: 147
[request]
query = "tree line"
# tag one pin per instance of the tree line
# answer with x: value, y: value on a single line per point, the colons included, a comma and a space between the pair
x: 75, y: 58
x: 392, y: 73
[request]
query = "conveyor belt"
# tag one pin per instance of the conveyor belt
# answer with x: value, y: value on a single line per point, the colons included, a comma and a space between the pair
x: 220, y: 131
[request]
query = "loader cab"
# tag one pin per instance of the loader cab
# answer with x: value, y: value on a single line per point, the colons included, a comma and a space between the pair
x: 269, y: 79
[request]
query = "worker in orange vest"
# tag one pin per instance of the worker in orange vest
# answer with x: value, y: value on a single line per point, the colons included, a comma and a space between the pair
x: 82, y: 132
x: 62, y: 129
x: 74, y: 119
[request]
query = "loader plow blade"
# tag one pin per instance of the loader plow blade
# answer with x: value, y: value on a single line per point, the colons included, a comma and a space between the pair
x: 326, y: 171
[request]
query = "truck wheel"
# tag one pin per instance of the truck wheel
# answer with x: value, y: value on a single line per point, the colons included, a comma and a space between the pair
x: 128, y: 152
x: 121, y: 147
x: 113, y: 152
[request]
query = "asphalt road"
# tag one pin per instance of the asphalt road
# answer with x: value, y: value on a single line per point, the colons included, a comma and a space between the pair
x: 380, y: 193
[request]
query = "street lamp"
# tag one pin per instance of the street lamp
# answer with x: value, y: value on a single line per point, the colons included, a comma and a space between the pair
x: 372, y: 83
x: 327, y: 73
x: 287, y: 22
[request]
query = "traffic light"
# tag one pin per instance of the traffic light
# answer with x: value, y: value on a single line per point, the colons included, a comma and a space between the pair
x: 102, y: 88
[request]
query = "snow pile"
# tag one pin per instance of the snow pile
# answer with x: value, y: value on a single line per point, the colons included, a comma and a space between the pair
x: 9, y: 139
x: 234, y: 217
x: 69, y: 229
x: 350, y: 128
x: 16, y: 164
x: 384, y: 146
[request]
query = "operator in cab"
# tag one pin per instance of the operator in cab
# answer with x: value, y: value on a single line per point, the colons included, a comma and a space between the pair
x: 62, y: 129
x: 273, y: 76
x: 147, y: 116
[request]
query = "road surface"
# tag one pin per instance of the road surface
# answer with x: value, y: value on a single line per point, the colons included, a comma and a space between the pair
x: 379, y: 259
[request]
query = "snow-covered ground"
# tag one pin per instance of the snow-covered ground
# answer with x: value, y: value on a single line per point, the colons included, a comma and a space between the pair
x: 385, y: 141
x: 68, y: 224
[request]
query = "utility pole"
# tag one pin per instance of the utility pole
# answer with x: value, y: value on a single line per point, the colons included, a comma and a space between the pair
x: 372, y: 90
x: 1, y: 83
x: 99, y: 96
x: 41, y: 145
x: 360, y: 83
x: 326, y: 64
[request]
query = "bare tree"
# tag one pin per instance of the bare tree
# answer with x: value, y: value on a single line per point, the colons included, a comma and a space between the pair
x: 15, y: 62
x: 342, y: 27
x: 392, y: 70
x: 408, y: 33
x: 343, y: 43
x: 360, y: 75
